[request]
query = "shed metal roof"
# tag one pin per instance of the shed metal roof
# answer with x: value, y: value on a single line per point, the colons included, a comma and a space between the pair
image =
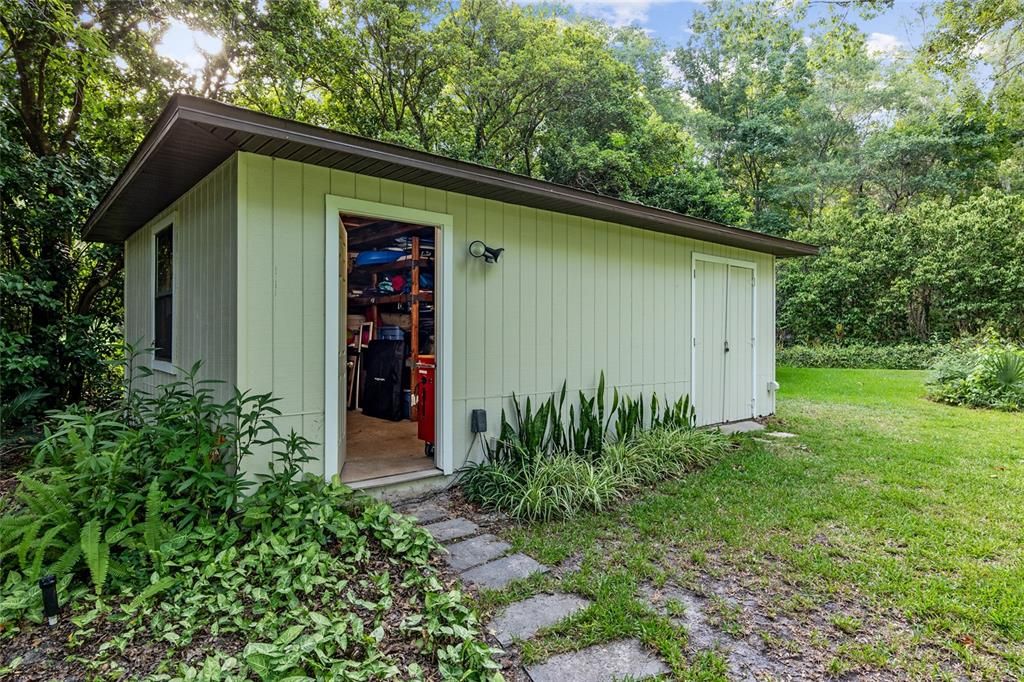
x: 192, y: 136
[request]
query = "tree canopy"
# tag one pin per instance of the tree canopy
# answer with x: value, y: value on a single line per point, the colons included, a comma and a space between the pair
x: 908, y: 166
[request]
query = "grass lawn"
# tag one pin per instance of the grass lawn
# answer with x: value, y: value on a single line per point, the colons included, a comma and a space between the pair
x: 888, y: 537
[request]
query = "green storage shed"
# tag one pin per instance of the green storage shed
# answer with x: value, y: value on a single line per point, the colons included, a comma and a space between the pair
x: 253, y: 243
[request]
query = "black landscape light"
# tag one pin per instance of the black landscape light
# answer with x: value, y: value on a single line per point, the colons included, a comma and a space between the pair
x: 48, y: 584
x: 478, y: 249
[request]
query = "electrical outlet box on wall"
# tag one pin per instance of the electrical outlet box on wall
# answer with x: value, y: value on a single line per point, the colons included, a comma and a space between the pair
x: 478, y: 421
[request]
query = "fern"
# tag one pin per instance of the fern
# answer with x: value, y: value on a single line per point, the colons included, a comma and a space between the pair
x: 43, y: 547
x: 9, y: 524
x: 28, y: 539
x: 37, y: 496
x: 45, y: 499
x: 96, y: 552
x: 67, y: 561
x: 118, y: 571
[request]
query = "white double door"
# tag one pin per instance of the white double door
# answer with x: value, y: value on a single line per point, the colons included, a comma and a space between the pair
x: 724, y: 343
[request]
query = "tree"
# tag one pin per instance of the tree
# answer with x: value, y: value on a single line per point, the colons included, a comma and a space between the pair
x: 938, y: 269
x: 512, y: 68
x: 973, y: 31
x: 847, y: 96
x: 647, y: 57
x: 694, y: 188
x: 606, y: 137
x: 986, y: 37
x: 79, y: 81
x: 278, y: 55
x: 746, y: 67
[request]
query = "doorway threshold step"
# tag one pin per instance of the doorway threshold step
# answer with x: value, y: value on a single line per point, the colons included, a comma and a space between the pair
x: 746, y: 426
x: 382, y: 481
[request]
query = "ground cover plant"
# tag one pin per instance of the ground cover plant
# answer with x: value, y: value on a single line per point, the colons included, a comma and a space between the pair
x: 882, y: 541
x: 986, y: 371
x: 167, y: 571
x: 544, y: 467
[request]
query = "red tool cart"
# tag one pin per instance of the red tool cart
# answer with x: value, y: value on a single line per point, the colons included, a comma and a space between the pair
x: 425, y: 402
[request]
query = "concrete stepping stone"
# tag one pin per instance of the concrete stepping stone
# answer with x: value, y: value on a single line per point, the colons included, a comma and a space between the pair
x: 624, y: 658
x: 780, y: 434
x: 443, y: 531
x: 475, y: 551
x: 496, y: 574
x: 741, y: 427
x: 425, y: 512
x: 523, y: 619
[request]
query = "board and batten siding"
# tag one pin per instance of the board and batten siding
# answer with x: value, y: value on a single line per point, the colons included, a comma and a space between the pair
x: 204, y: 312
x: 571, y: 297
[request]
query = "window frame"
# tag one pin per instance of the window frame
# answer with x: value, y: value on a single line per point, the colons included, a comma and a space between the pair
x: 164, y: 365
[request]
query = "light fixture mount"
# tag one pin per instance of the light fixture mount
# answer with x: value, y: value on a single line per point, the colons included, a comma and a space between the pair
x: 478, y: 249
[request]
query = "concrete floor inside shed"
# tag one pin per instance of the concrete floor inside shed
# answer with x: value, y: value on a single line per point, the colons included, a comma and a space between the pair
x: 375, y: 448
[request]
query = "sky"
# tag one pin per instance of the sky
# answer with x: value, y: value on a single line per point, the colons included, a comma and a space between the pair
x: 895, y: 29
x: 899, y: 27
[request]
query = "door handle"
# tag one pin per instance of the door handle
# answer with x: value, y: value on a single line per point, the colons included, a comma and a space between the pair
x: 727, y: 346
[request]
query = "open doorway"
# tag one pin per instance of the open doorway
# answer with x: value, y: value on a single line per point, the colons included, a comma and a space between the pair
x: 390, y: 361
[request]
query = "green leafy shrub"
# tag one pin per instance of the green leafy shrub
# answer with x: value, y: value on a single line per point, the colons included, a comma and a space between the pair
x: 939, y: 268
x: 857, y: 356
x: 535, y: 433
x: 676, y: 451
x: 553, y: 487
x: 563, y: 485
x: 103, y: 481
x: 320, y: 583
x: 140, y: 513
x: 984, y: 371
x: 543, y: 468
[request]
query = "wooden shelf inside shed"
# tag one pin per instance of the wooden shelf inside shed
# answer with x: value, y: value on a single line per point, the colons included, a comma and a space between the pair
x: 397, y: 266
x: 366, y: 234
x: 384, y: 299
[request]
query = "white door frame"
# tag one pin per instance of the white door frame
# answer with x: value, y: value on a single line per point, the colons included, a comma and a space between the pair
x: 752, y: 266
x: 443, y: 296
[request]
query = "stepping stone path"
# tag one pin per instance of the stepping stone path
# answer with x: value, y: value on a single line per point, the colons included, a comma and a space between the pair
x: 624, y: 658
x: 482, y: 560
x: 523, y: 619
x: 780, y: 434
x: 497, y: 574
x: 425, y: 512
x: 443, y: 531
x: 476, y: 551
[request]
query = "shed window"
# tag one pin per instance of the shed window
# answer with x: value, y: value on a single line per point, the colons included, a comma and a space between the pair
x: 163, y: 304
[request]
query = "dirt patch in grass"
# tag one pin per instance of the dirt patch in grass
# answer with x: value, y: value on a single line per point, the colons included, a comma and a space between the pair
x: 768, y: 627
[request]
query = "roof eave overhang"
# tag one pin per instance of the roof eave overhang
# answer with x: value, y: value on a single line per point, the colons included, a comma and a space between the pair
x: 206, y: 115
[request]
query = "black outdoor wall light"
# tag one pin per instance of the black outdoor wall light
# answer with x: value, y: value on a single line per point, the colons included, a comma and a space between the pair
x: 478, y: 249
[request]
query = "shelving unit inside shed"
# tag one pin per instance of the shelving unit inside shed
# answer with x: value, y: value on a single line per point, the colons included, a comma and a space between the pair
x: 390, y: 285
